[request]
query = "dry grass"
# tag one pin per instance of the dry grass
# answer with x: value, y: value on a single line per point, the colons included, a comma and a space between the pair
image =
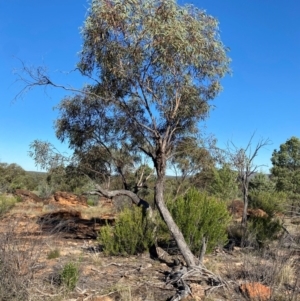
x: 21, y: 249
x: 96, y: 211
x: 29, y: 275
x: 30, y: 209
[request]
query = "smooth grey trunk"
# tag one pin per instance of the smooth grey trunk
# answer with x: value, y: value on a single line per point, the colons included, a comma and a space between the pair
x: 133, y: 196
x: 203, y: 249
x: 180, y: 241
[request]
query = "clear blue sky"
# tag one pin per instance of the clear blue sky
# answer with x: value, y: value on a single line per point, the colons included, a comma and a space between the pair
x: 262, y: 94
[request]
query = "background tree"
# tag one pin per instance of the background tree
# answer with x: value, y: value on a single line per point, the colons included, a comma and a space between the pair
x: 13, y: 176
x: 154, y: 66
x: 191, y: 157
x: 68, y: 178
x: 224, y: 183
x: 261, y: 182
x: 286, y: 170
x: 242, y: 160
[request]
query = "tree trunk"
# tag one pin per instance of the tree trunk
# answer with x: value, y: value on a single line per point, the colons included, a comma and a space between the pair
x: 159, y: 198
x: 203, y: 249
x: 245, y: 211
x: 181, y: 243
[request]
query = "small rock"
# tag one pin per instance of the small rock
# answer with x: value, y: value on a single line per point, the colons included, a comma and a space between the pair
x: 256, y: 290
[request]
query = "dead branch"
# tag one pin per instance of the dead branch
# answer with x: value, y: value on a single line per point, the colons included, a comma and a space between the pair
x: 135, y: 198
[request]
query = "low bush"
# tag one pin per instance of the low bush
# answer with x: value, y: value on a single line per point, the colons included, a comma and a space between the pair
x: 18, y: 260
x: 69, y: 275
x: 258, y: 233
x: 12, y: 286
x: 264, y: 229
x: 55, y: 253
x: 132, y: 233
x: 236, y: 233
x: 270, y: 202
x: 93, y: 200
x: 6, y: 203
x: 199, y: 216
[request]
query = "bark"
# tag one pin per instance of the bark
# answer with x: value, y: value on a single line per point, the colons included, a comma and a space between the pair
x: 181, y: 243
x: 160, y: 165
x: 203, y: 249
x: 135, y: 199
x: 245, y: 211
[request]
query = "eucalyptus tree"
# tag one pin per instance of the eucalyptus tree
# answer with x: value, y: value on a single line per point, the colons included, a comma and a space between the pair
x: 153, y: 68
x: 191, y: 157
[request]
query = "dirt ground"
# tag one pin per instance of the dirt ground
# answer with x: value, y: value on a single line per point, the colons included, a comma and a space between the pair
x: 41, y: 245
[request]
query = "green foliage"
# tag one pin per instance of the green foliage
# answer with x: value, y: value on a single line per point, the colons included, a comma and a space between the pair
x: 236, y: 232
x: 6, y: 203
x: 286, y: 171
x: 157, y: 66
x: 198, y: 215
x: 53, y: 254
x: 13, y: 176
x: 286, y: 166
x: 261, y: 182
x: 69, y: 275
x: 270, y: 202
x: 44, y: 190
x: 92, y: 201
x: 132, y: 234
x: 190, y: 156
x: 264, y: 229
x: 18, y: 198
x: 224, y: 184
x: 67, y: 179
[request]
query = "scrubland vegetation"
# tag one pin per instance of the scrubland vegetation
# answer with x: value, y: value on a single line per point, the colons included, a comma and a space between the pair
x: 152, y: 68
x: 266, y: 250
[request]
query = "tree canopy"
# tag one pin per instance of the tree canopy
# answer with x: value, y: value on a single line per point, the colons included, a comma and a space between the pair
x: 13, y: 176
x: 286, y: 166
x: 155, y: 66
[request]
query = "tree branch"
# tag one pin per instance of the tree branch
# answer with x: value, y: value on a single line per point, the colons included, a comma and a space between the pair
x: 110, y: 194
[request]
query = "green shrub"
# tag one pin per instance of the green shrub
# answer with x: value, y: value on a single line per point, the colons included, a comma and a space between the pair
x: 18, y: 198
x: 270, y: 202
x: 262, y: 182
x: 264, y: 229
x: 6, y: 203
x: 93, y: 200
x: 224, y: 184
x: 132, y: 234
x: 236, y: 233
x: 44, y: 189
x: 69, y: 275
x: 199, y: 216
x: 53, y: 254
